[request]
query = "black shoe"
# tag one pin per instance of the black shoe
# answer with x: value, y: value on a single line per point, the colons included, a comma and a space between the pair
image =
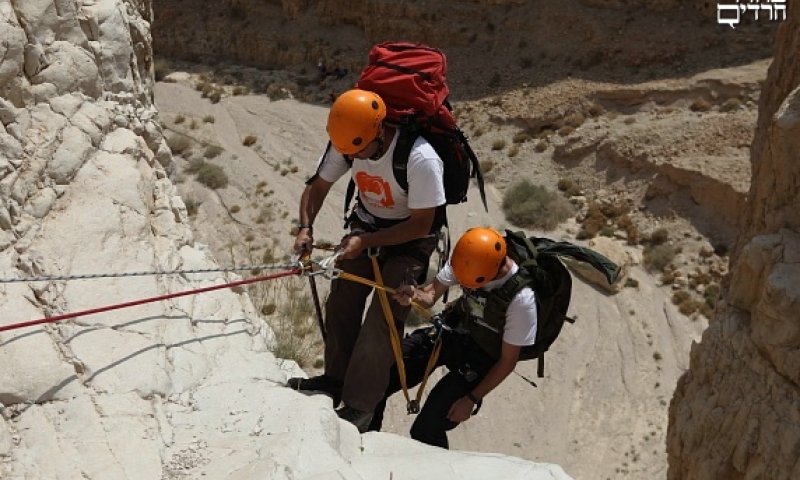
x: 321, y: 384
x: 358, y: 418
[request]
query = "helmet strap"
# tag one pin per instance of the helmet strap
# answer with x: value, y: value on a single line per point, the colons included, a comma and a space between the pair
x: 380, y: 139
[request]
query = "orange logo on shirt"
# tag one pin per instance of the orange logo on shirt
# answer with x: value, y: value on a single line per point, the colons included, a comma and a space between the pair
x: 375, y: 190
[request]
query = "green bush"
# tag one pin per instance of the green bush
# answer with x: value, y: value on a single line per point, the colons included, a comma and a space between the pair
x: 656, y: 258
x: 534, y: 206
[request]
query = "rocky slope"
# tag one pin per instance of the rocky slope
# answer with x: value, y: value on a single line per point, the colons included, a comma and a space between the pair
x: 493, y: 44
x: 735, y: 412
x: 177, y: 389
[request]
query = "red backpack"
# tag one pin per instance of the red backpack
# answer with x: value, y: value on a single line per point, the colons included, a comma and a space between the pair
x: 411, y: 80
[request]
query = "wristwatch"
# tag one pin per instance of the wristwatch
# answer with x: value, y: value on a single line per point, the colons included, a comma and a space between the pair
x: 309, y: 227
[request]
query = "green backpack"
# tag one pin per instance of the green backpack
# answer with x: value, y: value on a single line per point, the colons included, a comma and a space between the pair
x: 542, y: 271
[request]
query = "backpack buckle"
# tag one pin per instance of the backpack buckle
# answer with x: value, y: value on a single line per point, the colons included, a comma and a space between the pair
x: 412, y: 408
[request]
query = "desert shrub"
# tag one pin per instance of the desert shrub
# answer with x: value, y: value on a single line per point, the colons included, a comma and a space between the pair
x: 161, y: 68
x: 486, y: 166
x: 631, y: 282
x: 192, y: 206
x: 513, y: 151
x: 680, y: 296
x: 566, y: 130
x: 212, y: 151
x: 688, y: 307
x: 626, y: 223
x: 593, y: 222
x: 498, y: 144
x: 630, y: 120
x: 249, y: 140
x: 700, y: 105
x: 595, y: 109
x: 569, y: 187
x: 534, y: 206
x: 710, y: 294
x: 179, y: 143
x: 209, y: 119
x: 656, y: 258
x: 730, y: 105
x: 478, y: 132
x: 240, y: 91
x: 521, y: 137
x: 180, y: 119
x: 541, y: 146
x: 235, y: 209
x: 659, y: 236
x: 212, y: 176
x: 574, y: 120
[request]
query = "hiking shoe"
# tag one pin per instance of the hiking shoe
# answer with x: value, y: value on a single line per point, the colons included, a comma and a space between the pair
x: 358, y: 418
x: 321, y: 384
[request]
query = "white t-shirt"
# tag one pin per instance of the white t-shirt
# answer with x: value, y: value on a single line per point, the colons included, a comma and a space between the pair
x: 521, y: 316
x: 378, y: 190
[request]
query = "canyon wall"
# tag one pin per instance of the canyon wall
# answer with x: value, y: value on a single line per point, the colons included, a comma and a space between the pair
x: 736, y: 412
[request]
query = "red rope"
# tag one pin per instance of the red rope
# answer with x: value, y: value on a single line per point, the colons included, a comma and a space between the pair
x: 92, y: 311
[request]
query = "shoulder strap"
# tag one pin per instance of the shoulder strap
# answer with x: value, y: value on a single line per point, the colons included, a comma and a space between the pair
x: 402, y: 149
x: 351, y: 189
x: 476, y: 166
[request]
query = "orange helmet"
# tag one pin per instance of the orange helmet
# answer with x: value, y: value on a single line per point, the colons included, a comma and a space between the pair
x: 355, y: 120
x: 478, y: 256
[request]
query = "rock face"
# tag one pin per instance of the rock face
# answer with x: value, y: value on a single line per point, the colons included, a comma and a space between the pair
x: 511, y: 40
x: 177, y: 389
x: 736, y: 412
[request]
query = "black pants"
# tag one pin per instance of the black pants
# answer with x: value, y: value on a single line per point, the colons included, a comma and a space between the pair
x: 467, y: 363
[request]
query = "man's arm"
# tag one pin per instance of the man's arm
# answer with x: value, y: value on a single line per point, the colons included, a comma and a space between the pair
x: 462, y: 408
x: 310, y: 203
x: 416, y: 226
x: 425, y: 296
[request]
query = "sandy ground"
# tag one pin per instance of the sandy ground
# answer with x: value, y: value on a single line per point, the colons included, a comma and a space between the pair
x: 601, y: 410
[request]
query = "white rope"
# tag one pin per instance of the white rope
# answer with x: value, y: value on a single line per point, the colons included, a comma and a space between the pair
x: 53, y: 278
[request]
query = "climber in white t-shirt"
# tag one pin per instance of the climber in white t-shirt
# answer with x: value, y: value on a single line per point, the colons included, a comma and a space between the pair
x: 402, y: 224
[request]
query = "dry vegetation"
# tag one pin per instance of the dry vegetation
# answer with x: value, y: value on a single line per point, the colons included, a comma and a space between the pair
x: 534, y: 206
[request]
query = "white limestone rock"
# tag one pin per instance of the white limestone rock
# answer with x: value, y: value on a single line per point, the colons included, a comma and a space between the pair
x: 6, y: 442
x: 385, y: 455
x: 67, y: 105
x: 93, y: 120
x: 10, y: 151
x: 12, y: 47
x: 33, y: 367
x: 73, y: 152
x: 117, y: 427
x: 70, y: 69
x: 41, y: 202
x: 8, y: 112
x: 111, y: 29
